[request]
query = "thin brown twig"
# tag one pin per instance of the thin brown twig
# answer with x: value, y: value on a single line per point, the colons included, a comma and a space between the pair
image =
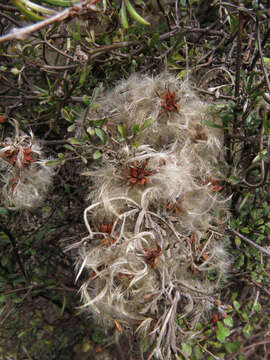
x: 256, y: 57
x: 238, y: 56
x: 9, y: 18
x: 261, y: 287
x: 20, y: 34
x: 39, y: 287
x: 16, y: 254
x: 261, y: 55
x: 255, y: 344
x: 248, y: 241
x: 8, y: 8
x: 264, y: 167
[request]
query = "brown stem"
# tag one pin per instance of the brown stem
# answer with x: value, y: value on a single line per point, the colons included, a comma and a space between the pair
x: 248, y: 241
x: 16, y: 254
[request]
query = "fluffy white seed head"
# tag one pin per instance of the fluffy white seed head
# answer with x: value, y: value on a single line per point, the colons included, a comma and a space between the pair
x: 24, y: 175
x: 159, y: 191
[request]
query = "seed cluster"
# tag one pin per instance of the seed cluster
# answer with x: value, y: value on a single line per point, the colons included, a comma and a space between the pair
x: 157, y: 197
x: 26, y: 177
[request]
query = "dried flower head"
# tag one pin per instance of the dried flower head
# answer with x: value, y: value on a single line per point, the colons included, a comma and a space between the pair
x: 168, y: 102
x: 137, y: 174
x: 25, y: 176
x: 150, y: 265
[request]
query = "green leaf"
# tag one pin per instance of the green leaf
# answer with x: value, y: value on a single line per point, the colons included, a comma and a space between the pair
x: 61, y: 156
x: 228, y: 321
x: 123, y: 15
x: 52, y: 162
x: 96, y: 337
x: 236, y: 305
x: 245, y: 230
x: 237, y: 241
x: 146, y: 123
x: 266, y: 61
x: 71, y: 128
x: 69, y: 147
x: 100, y: 133
x: 197, y: 352
x: 76, y: 36
x: 187, y: 349
x: 28, y: 13
x: 222, y: 332
x: 75, y: 141
x: 83, y: 75
x: 247, y: 330
x: 234, y: 180
x: 122, y: 130
x: 94, y: 94
x: 63, y: 306
x: 154, y: 40
x: 212, y: 124
x: 84, y: 160
x: 136, y: 129
x: 86, y: 100
x: 3, y: 211
x: 244, y: 201
x: 90, y: 130
x: 133, y: 13
x: 257, y: 308
x: 97, y: 154
x: 65, y: 115
x: 4, y: 260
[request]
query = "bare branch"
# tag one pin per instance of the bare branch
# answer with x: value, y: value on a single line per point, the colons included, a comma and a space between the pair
x: 22, y: 33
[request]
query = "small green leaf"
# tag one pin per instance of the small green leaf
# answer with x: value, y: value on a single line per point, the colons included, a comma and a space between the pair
x: 154, y: 40
x: 86, y: 100
x: 83, y: 75
x: 236, y: 305
x: 65, y: 115
x: 133, y: 13
x: 97, y: 154
x: 197, y: 352
x: 84, y: 160
x: 257, y: 308
x: 63, y: 306
x: 3, y: 211
x: 90, y: 130
x: 123, y: 15
x: 86, y: 345
x: 76, y: 36
x: 146, y: 123
x: 96, y: 337
x: 75, y: 141
x: 232, y: 347
x: 234, y: 180
x: 94, y: 94
x: 136, y: 129
x: 211, y: 124
x: 100, y: 133
x: 222, y: 332
x: 52, y: 162
x: 187, y: 349
x: 61, y: 156
x: 4, y: 260
x: 122, y: 130
x: 237, y: 241
x: 267, y: 61
x: 228, y: 321
x: 247, y: 330
x: 69, y: 147
x: 71, y: 128
x: 244, y: 201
